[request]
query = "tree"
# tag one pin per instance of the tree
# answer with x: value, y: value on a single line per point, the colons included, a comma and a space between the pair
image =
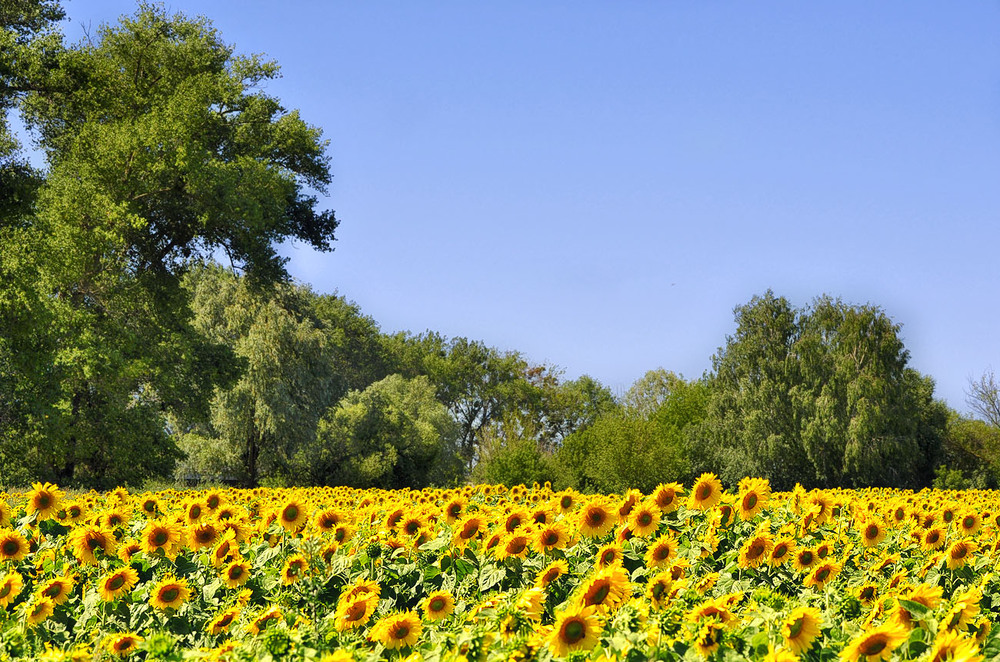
x: 259, y: 423
x: 160, y: 149
x: 821, y: 396
x: 650, y: 391
x: 391, y: 435
x: 983, y: 397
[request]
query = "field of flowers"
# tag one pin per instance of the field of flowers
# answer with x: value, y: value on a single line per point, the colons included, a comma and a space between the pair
x: 487, y: 573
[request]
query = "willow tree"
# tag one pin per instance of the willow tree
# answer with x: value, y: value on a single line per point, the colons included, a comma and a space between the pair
x: 160, y: 148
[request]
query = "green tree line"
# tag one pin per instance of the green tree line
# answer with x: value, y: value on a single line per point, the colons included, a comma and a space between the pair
x: 128, y: 353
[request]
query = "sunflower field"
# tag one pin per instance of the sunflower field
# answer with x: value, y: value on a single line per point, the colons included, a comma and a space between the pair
x: 490, y: 573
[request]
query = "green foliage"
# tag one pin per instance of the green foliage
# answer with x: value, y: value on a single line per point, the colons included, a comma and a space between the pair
x: 393, y: 434
x: 970, y: 455
x: 820, y: 396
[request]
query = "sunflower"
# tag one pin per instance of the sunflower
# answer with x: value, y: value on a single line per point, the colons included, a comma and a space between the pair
x: 949, y: 645
x: 575, y: 629
x: 117, y: 583
x: 872, y: 532
x: 716, y: 608
x: 780, y: 655
x: 56, y: 589
x: 294, y: 569
x: 454, y: 508
x: 170, y: 593
x: 531, y: 603
x: 150, y: 506
x: 438, y: 605
x: 550, y: 536
x: 272, y: 615
x: 784, y: 550
x: 708, y: 637
x: 325, y: 520
x: 661, y: 551
x: 4, y: 513
x: 566, y: 501
x: 822, y: 574
x: 222, y: 622
x: 932, y: 539
x: 963, y: 610
x: 514, y: 545
x: 161, y: 538
x: 959, y: 553
x: 866, y: 594
x: 608, y: 555
x: 658, y: 589
x: 44, y: 500
x: 753, y: 496
x: 123, y: 644
x: 706, y: 492
x: 551, y: 572
x: 644, y: 519
x: 226, y: 550
x: 397, y: 630
x: 970, y: 523
x: 236, y: 573
x: 804, y: 558
x: 343, y: 533
x: 666, y: 496
x: 516, y: 518
x: 292, y: 515
x: 595, y: 519
x: 10, y: 587
x: 115, y: 518
x: 876, y: 644
x: 755, y: 551
x: 85, y: 541
x: 13, y: 546
x: 468, y: 529
x: 213, y: 501
x: 75, y: 512
x: 353, y: 612
x: 194, y: 510
x: 38, y: 611
x: 361, y: 586
x: 202, y: 534
x: 605, y: 590
x: 801, y: 628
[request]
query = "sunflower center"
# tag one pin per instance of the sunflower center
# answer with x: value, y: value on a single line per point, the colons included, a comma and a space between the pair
x: 225, y: 620
x: 780, y: 551
x: 290, y: 514
x: 749, y: 501
x: 11, y: 547
x: 872, y: 532
x: 823, y: 574
x: 44, y: 501
x: 661, y: 553
x: 873, y: 646
x: 757, y: 548
x: 235, y: 572
x: 959, y: 552
x: 550, y: 538
x: 356, y: 611
x: 437, y: 604
x: 806, y: 558
x: 608, y: 557
x: 516, y: 546
x: 566, y: 502
x: 599, y: 595
x: 658, y: 590
x: 169, y: 594
x: 574, y: 631
x: 93, y: 543
x: 401, y: 631
x: 116, y: 583
x: 52, y: 591
x: 160, y: 538
x: 595, y: 517
x: 703, y: 492
x: 644, y: 519
x: 968, y: 522
x: 6, y: 589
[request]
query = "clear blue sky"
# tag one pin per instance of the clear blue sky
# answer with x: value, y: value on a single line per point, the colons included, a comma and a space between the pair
x: 599, y: 184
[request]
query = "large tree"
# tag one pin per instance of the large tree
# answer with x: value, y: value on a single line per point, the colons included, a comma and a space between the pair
x: 160, y: 148
x: 821, y: 396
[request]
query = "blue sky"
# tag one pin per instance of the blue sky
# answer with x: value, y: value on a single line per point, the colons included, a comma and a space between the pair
x: 599, y: 184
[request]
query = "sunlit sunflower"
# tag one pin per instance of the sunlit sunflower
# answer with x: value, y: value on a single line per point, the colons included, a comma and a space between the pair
x: 783, y: 551
x: 708, y: 637
x: 872, y: 532
x: 75, y: 512
x: 13, y: 546
x: 804, y: 558
x: 780, y: 655
x: 468, y: 529
x: 355, y: 611
x: 964, y: 610
x: 87, y: 541
x: 516, y: 518
x: 550, y: 536
x: 292, y: 515
x: 514, y: 545
x: 932, y: 539
x: 117, y: 583
x: 161, y: 537
x: 115, y: 517
x: 44, y: 500
x: 575, y: 629
x: 876, y: 644
x: 754, y: 495
x: 272, y: 615
x: 4, y: 514
x: 661, y: 551
x: 627, y: 504
x: 644, y: 519
x: 170, y: 593
x: 595, y: 519
x: 123, y: 644
x: 658, y: 589
x: 551, y: 572
x: 666, y: 496
x: 822, y: 574
x: 950, y: 646
x: 960, y: 553
x: 756, y: 550
x: 361, y: 586
x: 295, y: 568
x: 566, y: 501
x: 608, y: 554
x: 236, y: 574
x: 438, y: 605
x: 150, y: 506
x: 397, y: 630
x: 325, y: 520
x: 605, y: 590
x: 226, y: 550
x: 37, y: 611
x: 970, y: 523
x: 866, y: 594
x: 56, y: 589
x: 706, y: 492
x: 801, y: 629
x: 531, y: 603
x: 11, y: 586
x: 454, y: 508
x: 195, y: 510
x: 223, y: 620
x: 202, y: 534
